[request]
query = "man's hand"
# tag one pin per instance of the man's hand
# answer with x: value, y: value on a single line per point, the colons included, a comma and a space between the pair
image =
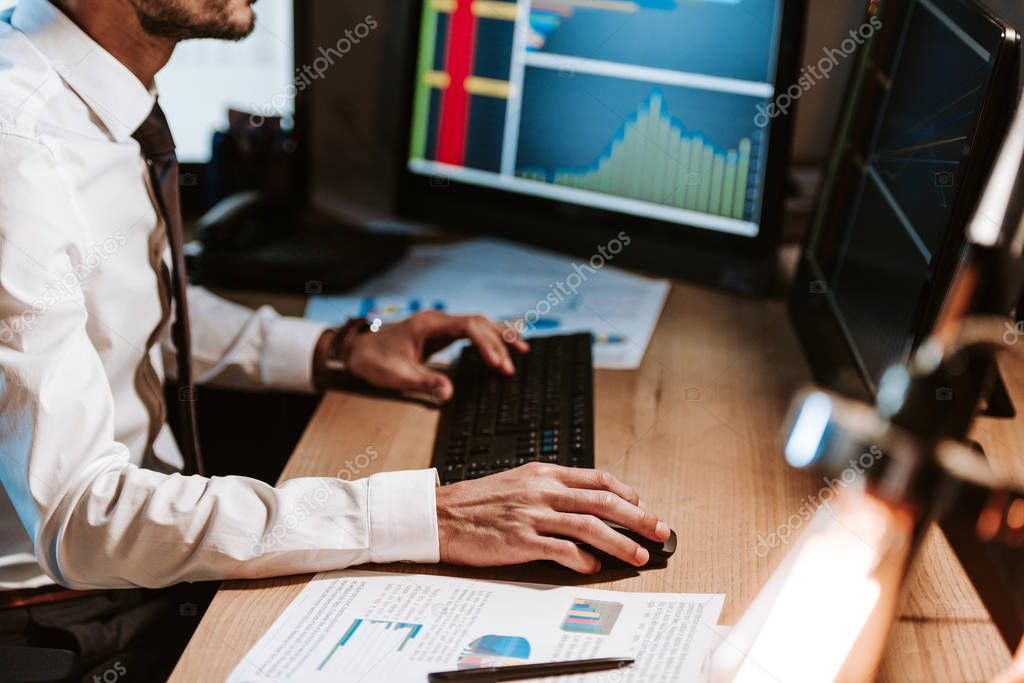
x: 527, y: 514
x: 393, y: 357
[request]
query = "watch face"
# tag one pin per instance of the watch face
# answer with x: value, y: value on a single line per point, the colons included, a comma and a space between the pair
x: 336, y: 365
x: 343, y: 339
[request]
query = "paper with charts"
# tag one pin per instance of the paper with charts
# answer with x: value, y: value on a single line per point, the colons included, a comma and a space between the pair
x: 540, y: 292
x: 377, y: 627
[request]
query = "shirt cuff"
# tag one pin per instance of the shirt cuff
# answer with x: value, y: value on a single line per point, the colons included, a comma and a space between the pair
x: 287, y: 359
x: 403, y: 516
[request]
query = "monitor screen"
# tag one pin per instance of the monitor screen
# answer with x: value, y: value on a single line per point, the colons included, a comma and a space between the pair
x: 900, y: 201
x: 654, y: 108
x: 205, y: 78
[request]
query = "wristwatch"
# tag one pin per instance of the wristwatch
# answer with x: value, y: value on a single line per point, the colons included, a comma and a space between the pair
x: 337, y: 353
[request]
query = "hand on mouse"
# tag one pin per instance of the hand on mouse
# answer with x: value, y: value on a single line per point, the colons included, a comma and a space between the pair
x: 527, y: 514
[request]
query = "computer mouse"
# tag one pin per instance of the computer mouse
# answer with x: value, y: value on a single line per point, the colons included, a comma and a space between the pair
x: 660, y: 550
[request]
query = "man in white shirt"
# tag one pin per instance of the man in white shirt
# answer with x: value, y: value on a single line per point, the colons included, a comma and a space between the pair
x: 94, y: 498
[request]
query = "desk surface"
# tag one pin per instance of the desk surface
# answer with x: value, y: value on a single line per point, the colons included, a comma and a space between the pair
x: 694, y: 430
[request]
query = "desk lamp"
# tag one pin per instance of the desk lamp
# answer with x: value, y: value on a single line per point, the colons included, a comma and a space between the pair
x: 825, y: 613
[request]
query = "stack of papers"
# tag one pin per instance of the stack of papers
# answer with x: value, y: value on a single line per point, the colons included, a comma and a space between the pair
x: 376, y: 627
x: 548, y: 293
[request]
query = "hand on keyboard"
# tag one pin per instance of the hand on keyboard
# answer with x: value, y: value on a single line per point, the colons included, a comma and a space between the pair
x: 528, y: 513
x: 392, y: 357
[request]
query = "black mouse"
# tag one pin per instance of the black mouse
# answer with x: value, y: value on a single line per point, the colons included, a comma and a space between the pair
x: 660, y: 550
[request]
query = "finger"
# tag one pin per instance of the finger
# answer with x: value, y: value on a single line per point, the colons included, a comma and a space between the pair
x: 595, y: 533
x: 510, y: 335
x: 567, y: 554
x: 413, y: 377
x: 441, y: 387
x: 436, y: 330
x: 611, y: 507
x: 481, y: 331
x: 488, y: 331
x: 579, y: 478
x: 483, y: 334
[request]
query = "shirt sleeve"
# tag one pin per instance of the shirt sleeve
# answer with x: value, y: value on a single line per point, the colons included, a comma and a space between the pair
x: 95, y: 519
x: 235, y: 346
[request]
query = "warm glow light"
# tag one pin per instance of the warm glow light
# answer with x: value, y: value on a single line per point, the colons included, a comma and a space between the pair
x: 1015, y: 515
x: 823, y: 605
x: 987, y: 224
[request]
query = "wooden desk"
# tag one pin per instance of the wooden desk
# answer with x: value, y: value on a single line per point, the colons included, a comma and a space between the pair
x: 694, y: 429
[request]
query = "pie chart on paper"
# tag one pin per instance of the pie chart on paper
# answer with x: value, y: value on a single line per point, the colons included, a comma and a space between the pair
x: 487, y: 651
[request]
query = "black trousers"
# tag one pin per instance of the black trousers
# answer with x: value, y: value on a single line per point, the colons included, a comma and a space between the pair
x: 118, y: 635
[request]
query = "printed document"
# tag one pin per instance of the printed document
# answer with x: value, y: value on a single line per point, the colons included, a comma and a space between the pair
x: 377, y: 627
x: 538, y: 292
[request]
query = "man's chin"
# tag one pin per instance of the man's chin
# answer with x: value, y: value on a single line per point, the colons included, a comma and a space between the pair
x: 236, y: 29
x: 246, y: 16
x: 233, y: 22
x: 237, y: 25
x: 246, y: 25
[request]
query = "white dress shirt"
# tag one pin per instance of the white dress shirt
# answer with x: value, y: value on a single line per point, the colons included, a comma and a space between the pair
x: 87, y: 504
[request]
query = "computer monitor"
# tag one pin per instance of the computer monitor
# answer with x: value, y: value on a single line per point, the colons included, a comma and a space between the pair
x: 925, y: 117
x: 658, y: 116
x: 207, y: 77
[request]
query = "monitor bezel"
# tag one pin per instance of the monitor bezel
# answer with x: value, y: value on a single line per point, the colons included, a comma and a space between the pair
x: 832, y: 359
x: 666, y: 248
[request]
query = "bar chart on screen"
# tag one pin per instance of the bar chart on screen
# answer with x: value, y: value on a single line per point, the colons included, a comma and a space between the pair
x: 654, y: 158
x: 660, y: 142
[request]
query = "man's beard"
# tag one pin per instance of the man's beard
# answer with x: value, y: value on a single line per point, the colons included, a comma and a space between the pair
x: 172, y: 20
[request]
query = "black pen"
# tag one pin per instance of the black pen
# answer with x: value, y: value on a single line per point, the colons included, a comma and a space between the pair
x: 521, y: 671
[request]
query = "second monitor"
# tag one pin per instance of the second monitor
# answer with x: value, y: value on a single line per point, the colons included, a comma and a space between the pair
x: 927, y: 112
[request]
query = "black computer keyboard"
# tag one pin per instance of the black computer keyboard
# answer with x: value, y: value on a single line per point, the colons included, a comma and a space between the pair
x: 544, y: 413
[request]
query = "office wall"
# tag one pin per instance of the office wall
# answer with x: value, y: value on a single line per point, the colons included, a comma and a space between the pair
x: 355, y: 119
x: 827, y: 24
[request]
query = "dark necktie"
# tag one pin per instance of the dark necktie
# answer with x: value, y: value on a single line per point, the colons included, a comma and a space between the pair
x: 154, y: 136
